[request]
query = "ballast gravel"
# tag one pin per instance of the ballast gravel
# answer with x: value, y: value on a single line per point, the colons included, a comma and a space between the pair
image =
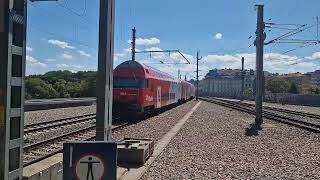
x: 157, y: 126
x: 33, y: 117
x: 213, y: 144
x: 308, y: 109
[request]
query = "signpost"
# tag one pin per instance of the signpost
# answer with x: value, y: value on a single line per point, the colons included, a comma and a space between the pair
x: 90, y: 160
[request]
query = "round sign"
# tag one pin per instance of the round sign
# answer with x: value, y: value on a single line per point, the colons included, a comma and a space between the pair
x: 89, y: 167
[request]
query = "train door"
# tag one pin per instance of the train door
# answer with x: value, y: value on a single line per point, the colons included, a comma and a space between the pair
x: 159, y: 97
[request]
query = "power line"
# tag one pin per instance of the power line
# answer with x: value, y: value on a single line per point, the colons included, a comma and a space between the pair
x: 69, y: 10
x: 81, y: 15
x: 60, y: 17
x: 61, y: 36
x: 299, y: 47
x: 279, y: 24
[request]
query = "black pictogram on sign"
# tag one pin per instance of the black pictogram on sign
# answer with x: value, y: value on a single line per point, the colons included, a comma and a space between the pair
x: 90, y: 167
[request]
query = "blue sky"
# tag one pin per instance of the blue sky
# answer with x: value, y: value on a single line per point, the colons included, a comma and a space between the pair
x: 64, y: 35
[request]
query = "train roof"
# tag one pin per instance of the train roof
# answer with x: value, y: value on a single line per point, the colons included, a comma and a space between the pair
x: 139, y: 69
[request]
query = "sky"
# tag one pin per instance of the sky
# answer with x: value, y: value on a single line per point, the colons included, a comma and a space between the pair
x: 63, y: 35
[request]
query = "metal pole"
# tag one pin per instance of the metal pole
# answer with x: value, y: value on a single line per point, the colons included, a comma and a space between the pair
x: 105, y: 71
x: 197, y: 90
x: 133, y: 50
x: 260, y: 37
x: 242, y: 78
x: 12, y: 89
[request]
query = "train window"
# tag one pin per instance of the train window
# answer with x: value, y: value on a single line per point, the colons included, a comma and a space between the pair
x: 124, y: 82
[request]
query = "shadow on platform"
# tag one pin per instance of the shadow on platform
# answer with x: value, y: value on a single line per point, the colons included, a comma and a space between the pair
x: 129, y: 166
x: 253, y: 130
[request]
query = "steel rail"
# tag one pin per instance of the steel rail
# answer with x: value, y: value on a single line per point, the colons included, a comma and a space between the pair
x: 32, y: 146
x: 57, y: 120
x: 58, y: 123
x: 269, y: 115
x: 299, y: 113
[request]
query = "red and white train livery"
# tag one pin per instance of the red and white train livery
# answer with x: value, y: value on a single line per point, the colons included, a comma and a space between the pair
x: 138, y: 87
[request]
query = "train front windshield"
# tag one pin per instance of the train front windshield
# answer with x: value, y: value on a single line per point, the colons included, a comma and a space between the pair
x: 122, y: 82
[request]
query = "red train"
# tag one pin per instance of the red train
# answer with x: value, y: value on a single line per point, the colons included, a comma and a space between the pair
x: 139, y: 88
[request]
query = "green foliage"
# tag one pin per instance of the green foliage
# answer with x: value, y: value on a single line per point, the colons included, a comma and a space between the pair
x: 61, y: 84
x: 293, y: 88
x: 248, y: 92
x: 39, y: 89
x: 315, y: 90
x: 278, y: 85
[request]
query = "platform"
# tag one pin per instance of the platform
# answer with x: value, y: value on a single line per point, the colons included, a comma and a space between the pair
x: 213, y: 144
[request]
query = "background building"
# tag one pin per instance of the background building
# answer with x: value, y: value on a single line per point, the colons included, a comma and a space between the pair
x: 314, y: 78
x: 225, y: 82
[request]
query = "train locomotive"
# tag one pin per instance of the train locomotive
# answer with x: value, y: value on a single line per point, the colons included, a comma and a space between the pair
x: 138, y: 88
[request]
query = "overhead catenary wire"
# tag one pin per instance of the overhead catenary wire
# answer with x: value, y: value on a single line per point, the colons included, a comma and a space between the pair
x: 291, y: 33
x: 299, y: 47
x: 86, y: 24
x: 169, y: 51
x: 81, y: 15
x: 58, y: 35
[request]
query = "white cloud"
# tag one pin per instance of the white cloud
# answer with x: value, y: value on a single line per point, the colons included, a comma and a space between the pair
x: 34, y: 63
x: 120, y: 54
x: 29, y: 49
x: 273, y: 62
x: 218, y: 36
x: 38, y: 65
x: 31, y: 59
x: 128, y: 50
x: 66, y: 55
x: 314, y: 56
x: 83, y: 53
x: 221, y: 58
x: 62, y: 66
x: 146, y: 42
x: 78, y: 66
x: 72, y: 68
x: 156, y: 55
x: 50, y: 60
x: 116, y: 56
x: 61, y: 44
x: 153, y: 49
x: 179, y: 59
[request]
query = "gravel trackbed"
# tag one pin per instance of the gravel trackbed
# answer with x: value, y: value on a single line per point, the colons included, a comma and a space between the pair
x: 213, y: 145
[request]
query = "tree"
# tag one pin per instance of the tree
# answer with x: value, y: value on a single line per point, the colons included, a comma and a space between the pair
x: 74, y: 89
x: 278, y: 85
x: 60, y: 87
x: 88, y: 86
x: 39, y: 89
x: 293, y: 88
x: 248, y: 92
x: 315, y: 90
x: 61, y: 84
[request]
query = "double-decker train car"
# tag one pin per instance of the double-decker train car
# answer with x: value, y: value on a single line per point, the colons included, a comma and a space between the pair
x: 139, y: 88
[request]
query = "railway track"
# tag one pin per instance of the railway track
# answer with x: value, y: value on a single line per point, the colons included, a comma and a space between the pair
x: 314, y: 127
x: 38, y: 151
x: 30, y: 128
x: 298, y: 113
